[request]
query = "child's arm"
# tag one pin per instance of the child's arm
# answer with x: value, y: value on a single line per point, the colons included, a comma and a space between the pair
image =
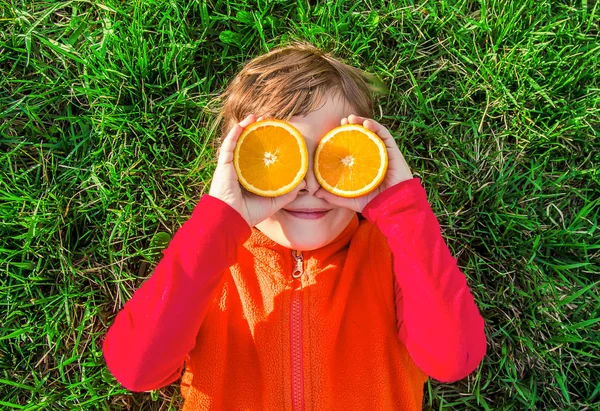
x: 146, y: 346
x: 442, y: 327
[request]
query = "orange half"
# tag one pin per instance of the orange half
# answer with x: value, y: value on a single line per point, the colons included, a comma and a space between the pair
x: 270, y: 158
x: 350, y: 161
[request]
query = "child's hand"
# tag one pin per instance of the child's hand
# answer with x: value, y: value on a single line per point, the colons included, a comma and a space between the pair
x: 397, y: 171
x: 226, y: 187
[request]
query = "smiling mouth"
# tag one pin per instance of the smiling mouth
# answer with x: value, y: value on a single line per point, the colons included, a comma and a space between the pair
x: 307, y: 214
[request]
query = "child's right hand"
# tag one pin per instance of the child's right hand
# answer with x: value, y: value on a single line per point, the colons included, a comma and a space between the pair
x: 226, y: 187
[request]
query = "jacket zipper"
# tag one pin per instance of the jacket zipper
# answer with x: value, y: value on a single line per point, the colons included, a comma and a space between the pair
x: 296, y: 334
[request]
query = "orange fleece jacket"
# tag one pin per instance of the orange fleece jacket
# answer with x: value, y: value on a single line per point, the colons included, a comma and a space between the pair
x: 368, y: 319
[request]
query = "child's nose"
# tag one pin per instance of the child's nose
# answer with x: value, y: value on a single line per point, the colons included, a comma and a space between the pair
x: 312, y: 184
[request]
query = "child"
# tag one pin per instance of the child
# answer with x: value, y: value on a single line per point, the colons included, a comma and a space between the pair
x: 293, y: 302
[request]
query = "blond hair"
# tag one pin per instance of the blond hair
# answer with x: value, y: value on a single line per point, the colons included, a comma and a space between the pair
x: 294, y: 80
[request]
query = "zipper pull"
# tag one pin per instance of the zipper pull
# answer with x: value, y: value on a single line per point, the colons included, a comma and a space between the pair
x: 298, y: 269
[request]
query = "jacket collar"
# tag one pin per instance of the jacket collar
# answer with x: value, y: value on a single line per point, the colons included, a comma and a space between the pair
x: 265, y: 248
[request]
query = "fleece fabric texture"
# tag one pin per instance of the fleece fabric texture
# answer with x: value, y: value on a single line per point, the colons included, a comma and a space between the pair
x: 375, y: 313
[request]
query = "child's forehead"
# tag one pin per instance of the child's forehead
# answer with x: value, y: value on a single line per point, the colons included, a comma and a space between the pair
x: 330, y: 107
x: 317, y: 123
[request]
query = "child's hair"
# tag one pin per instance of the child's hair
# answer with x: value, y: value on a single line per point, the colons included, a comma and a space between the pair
x: 293, y: 80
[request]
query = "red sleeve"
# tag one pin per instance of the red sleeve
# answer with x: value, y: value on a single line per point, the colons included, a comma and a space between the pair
x: 146, y: 346
x: 442, y: 327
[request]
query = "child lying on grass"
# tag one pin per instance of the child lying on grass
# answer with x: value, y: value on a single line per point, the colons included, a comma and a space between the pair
x: 377, y: 303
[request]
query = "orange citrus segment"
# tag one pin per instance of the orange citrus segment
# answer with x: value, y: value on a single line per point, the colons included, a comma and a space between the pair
x: 270, y: 158
x: 350, y: 161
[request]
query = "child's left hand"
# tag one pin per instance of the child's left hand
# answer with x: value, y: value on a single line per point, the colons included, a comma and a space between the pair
x: 397, y: 171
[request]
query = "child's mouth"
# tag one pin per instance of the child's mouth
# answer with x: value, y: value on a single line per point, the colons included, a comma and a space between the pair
x: 307, y: 214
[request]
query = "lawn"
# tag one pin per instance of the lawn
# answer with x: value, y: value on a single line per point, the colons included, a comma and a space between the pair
x: 106, y: 134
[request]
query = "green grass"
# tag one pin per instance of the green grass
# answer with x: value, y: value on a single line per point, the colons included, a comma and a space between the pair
x: 105, y: 115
